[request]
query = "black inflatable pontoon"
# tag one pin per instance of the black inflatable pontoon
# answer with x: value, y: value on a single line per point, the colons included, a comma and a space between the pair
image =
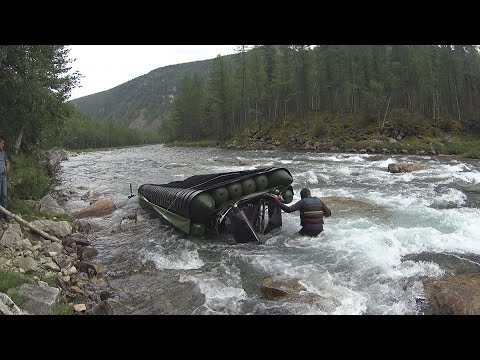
x: 237, y: 202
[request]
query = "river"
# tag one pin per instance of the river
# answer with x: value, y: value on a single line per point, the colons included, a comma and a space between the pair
x: 367, y: 261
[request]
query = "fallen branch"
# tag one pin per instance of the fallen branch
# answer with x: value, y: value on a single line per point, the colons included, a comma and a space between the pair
x: 23, y: 222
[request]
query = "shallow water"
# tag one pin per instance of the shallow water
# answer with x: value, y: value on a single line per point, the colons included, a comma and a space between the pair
x: 360, y: 262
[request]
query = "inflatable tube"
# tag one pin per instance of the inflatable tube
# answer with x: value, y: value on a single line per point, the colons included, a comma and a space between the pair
x: 288, y: 196
x: 234, y: 191
x: 201, y: 207
x: 248, y: 186
x: 220, y: 195
x: 261, y: 182
x: 279, y: 177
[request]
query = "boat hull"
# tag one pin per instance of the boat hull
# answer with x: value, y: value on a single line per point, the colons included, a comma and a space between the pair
x: 199, y: 204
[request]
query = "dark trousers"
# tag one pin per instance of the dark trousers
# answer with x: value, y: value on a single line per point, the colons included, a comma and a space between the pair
x: 311, y: 229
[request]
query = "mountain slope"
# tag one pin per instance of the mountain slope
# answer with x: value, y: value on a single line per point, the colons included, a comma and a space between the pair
x: 144, y: 102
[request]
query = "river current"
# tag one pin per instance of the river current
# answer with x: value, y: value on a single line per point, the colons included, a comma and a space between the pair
x: 368, y: 260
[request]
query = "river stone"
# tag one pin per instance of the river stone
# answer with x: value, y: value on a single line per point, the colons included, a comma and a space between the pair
x: 49, y: 206
x: 57, y: 228
x: 100, y: 207
x: 455, y: 295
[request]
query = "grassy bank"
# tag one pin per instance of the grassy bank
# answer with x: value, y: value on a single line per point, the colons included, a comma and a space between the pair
x: 28, y: 182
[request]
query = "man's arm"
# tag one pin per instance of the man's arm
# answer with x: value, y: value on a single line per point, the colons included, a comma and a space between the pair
x: 325, y: 209
x: 289, y: 209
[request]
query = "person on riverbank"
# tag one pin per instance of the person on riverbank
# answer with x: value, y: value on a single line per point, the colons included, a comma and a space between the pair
x: 312, y: 211
x: 5, y: 169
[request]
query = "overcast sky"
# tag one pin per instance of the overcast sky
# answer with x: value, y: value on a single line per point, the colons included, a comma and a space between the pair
x: 106, y: 66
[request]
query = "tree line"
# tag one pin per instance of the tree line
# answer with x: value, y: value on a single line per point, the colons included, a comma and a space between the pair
x: 35, y: 84
x: 277, y: 84
x: 82, y: 132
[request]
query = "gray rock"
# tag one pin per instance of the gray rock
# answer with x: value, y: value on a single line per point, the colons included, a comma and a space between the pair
x: 58, y: 228
x: 88, y: 252
x: 63, y: 261
x: 76, y: 238
x: 12, y: 236
x: 27, y: 264
x: 109, y: 307
x: 8, y: 307
x: 54, y: 248
x: 49, y: 206
x: 38, y: 298
x: 51, y: 266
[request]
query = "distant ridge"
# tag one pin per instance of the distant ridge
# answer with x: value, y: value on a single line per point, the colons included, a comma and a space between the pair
x: 143, y: 102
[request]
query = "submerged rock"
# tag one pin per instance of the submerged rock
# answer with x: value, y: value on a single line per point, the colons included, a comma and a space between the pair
x: 454, y: 295
x: 292, y: 290
x: 452, y: 264
x: 339, y: 204
x: 404, y: 167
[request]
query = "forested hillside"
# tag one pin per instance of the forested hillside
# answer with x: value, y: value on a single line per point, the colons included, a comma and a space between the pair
x: 415, y: 88
x: 144, y: 102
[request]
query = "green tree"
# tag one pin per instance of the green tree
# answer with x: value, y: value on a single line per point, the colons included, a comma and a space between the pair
x: 189, y: 110
x: 219, y: 94
x: 34, y: 84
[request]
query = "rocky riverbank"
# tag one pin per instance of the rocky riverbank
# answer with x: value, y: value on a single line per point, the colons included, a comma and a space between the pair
x: 261, y: 141
x: 54, y: 276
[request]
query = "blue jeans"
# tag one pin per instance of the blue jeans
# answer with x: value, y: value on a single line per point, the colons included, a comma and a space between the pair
x: 3, y: 193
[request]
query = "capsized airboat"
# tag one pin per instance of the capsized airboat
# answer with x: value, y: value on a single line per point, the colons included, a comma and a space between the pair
x: 240, y: 203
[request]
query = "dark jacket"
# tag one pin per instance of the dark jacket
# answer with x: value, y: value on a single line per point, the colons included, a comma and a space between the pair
x: 312, y: 211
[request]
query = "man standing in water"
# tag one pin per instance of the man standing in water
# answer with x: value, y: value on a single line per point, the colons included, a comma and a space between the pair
x: 4, y: 169
x: 312, y: 211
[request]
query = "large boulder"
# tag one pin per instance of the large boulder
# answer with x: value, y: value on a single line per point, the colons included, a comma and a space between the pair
x: 281, y: 288
x: 344, y: 205
x: 12, y: 236
x: 454, y: 295
x: 100, y: 207
x: 58, y: 228
x: 38, y: 298
x: 404, y: 167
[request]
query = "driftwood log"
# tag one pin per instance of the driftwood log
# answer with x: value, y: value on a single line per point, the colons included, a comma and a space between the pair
x: 33, y: 228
